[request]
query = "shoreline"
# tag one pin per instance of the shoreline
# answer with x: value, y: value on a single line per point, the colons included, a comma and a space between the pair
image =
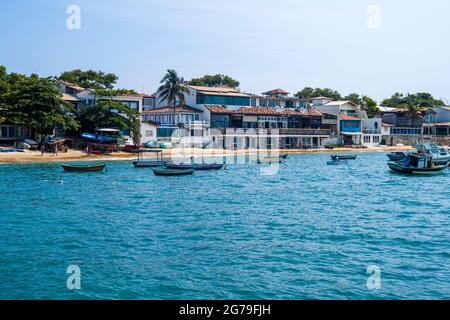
x: 30, y: 157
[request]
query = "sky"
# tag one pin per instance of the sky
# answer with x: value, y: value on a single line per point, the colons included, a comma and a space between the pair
x: 375, y: 47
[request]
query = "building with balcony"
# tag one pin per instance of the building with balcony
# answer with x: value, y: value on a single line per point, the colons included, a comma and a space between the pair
x: 291, y: 128
x: 436, y: 125
x: 372, y: 132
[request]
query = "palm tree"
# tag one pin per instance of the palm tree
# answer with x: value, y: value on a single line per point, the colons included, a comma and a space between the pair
x: 172, y: 89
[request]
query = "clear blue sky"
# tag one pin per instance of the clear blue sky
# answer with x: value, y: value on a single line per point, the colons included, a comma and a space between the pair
x: 264, y: 44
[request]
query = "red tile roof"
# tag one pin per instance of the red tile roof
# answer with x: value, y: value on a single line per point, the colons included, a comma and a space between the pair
x: 259, y: 111
x: 345, y: 117
x: 218, y: 109
x: 69, y: 98
x: 72, y: 86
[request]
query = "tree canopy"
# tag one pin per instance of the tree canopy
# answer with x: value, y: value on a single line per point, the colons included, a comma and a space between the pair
x: 217, y: 80
x: 90, y: 79
x: 34, y: 102
x: 308, y: 93
x: 412, y: 102
x: 370, y: 105
x: 172, y: 89
x: 109, y: 114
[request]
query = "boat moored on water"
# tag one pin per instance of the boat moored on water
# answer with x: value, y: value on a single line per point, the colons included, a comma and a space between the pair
x: 336, y: 162
x: 439, y: 155
x: 419, y: 163
x: 146, y: 163
x: 344, y: 156
x: 195, y: 166
x: 87, y: 168
x: 208, y: 166
x: 397, y: 156
x: 172, y: 165
x: 172, y: 172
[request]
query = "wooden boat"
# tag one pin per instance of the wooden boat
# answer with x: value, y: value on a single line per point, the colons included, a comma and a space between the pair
x: 148, y: 164
x: 87, y: 168
x: 336, y: 162
x: 171, y: 165
x: 280, y: 157
x: 344, y: 156
x: 145, y: 163
x: 172, y: 172
x: 269, y: 160
x: 418, y: 164
x: 206, y: 166
x: 397, y: 156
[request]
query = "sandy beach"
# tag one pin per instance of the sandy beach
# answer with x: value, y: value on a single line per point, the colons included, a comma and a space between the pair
x: 78, y: 155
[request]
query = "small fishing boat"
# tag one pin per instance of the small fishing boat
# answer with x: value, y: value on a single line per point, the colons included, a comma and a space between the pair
x: 269, y: 160
x: 336, y: 162
x: 397, y: 156
x: 172, y: 165
x: 148, y: 164
x: 172, y: 172
x: 86, y: 168
x: 141, y: 162
x: 276, y: 158
x: 418, y: 163
x: 344, y: 156
x: 208, y: 166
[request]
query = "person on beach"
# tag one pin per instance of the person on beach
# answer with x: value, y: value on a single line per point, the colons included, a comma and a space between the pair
x: 55, y: 150
x: 42, y: 149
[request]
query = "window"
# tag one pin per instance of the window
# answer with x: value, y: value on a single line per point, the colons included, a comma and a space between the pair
x: 149, y: 133
x: 366, y: 139
x: 223, y: 100
x: 376, y: 139
x: 131, y: 104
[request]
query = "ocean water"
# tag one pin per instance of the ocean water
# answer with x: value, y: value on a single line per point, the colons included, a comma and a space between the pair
x: 308, y: 232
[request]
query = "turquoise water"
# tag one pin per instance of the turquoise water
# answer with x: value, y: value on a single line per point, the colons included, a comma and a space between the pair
x: 309, y: 232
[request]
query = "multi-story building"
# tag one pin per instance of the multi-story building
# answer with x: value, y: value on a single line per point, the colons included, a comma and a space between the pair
x: 348, y: 122
x: 81, y: 97
x: 436, y: 124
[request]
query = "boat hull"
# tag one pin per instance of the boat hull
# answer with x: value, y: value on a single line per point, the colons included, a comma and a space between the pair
x: 344, y: 157
x: 172, y: 172
x: 180, y: 166
x: 84, y: 168
x: 398, y: 168
x: 148, y: 164
x: 396, y: 157
x: 206, y: 167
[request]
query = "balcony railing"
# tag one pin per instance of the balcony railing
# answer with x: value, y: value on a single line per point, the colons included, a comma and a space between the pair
x: 371, y: 131
x: 281, y: 131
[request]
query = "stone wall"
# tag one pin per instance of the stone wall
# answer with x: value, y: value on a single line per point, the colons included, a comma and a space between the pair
x: 409, y: 140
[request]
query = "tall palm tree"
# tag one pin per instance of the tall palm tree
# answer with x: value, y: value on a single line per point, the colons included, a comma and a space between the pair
x: 172, y: 89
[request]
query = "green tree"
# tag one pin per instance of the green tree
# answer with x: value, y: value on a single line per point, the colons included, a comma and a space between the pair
x: 307, y: 93
x: 36, y: 103
x: 355, y: 98
x: 412, y: 101
x: 370, y: 105
x: 217, y: 80
x: 172, y: 89
x: 110, y: 114
x: 90, y: 79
